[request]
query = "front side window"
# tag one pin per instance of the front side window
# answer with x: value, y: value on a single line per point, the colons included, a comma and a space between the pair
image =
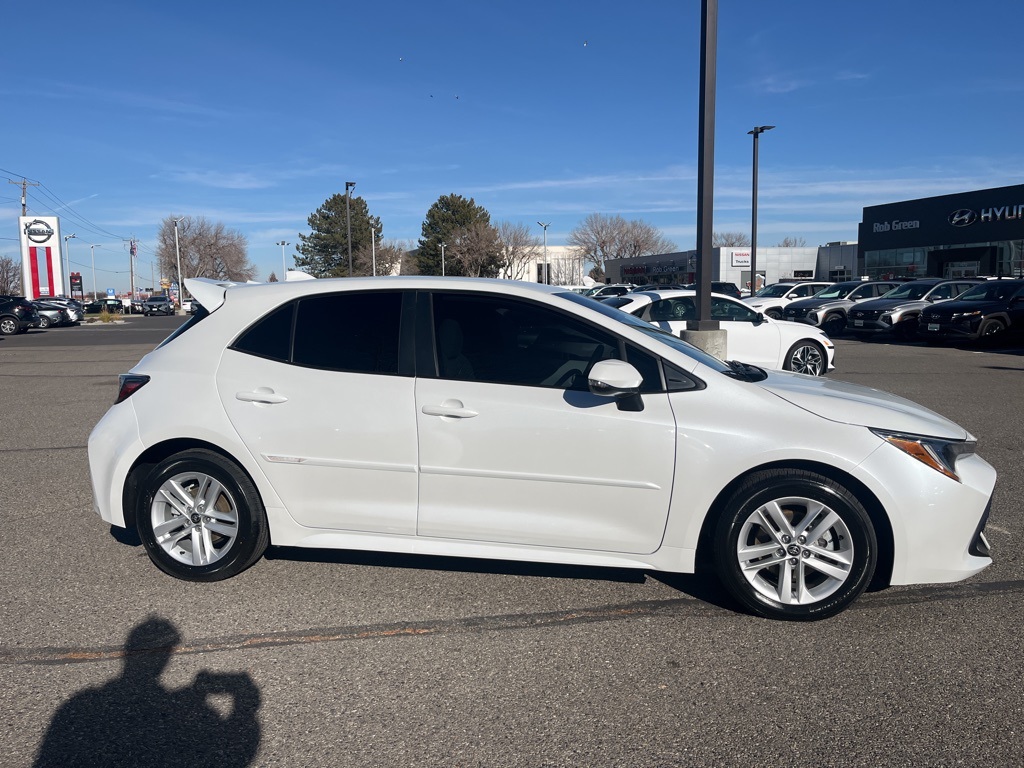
x: 723, y: 309
x: 498, y: 340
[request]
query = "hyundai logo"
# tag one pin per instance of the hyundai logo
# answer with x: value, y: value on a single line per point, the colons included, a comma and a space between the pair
x: 963, y: 218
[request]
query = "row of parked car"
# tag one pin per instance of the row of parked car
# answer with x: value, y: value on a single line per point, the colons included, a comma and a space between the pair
x: 18, y: 314
x: 933, y: 309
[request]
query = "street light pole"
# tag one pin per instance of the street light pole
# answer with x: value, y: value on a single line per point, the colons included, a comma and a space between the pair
x: 177, y: 254
x: 547, y: 269
x: 348, y: 222
x: 92, y: 248
x: 284, y: 263
x: 442, y: 259
x: 373, y: 249
x: 67, y: 261
x: 758, y: 130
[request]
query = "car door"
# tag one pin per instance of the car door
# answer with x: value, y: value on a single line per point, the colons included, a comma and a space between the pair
x: 748, y: 339
x: 315, y: 390
x: 513, y: 447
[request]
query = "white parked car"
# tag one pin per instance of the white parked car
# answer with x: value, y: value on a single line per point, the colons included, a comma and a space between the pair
x: 517, y: 421
x: 751, y: 337
x: 772, y: 299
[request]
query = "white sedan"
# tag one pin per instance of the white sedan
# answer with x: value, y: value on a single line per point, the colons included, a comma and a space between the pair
x: 751, y: 337
x: 517, y: 421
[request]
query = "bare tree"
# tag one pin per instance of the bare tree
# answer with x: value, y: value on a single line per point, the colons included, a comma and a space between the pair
x: 518, y: 249
x: 476, y: 249
x: 601, y: 237
x: 727, y: 239
x: 208, y: 249
x: 10, y: 276
x: 388, y: 257
x: 793, y: 242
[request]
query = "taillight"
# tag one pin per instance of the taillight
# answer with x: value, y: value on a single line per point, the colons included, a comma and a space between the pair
x: 130, y: 383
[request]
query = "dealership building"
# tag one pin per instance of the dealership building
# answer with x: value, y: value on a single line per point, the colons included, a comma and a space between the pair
x: 951, y: 236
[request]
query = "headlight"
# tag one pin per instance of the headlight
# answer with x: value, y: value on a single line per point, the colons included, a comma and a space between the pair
x: 939, y: 454
x: 812, y: 316
x: 964, y: 315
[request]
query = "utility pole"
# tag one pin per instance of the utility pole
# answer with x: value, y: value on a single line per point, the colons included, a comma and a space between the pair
x: 24, y: 184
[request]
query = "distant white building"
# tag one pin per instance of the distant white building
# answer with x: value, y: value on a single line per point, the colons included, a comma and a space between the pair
x: 563, y: 266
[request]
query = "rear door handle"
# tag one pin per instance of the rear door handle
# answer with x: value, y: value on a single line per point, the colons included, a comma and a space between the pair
x: 261, y: 395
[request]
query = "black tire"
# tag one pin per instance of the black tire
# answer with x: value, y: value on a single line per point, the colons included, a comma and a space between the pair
x: 230, y: 540
x: 833, y: 325
x: 907, y: 329
x: 806, y: 356
x: 44, y: 322
x: 774, y: 313
x: 767, y: 515
x: 990, y: 328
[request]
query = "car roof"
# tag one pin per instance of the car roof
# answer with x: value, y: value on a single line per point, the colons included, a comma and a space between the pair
x: 211, y: 293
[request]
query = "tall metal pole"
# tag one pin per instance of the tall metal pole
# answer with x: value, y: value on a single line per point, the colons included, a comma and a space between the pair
x: 373, y: 249
x: 547, y: 268
x: 442, y: 259
x: 706, y: 165
x: 758, y: 130
x: 177, y: 254
x: 284, y: 263
x: 94, y: 294
x: 348, y: 221
x: 67, y: 261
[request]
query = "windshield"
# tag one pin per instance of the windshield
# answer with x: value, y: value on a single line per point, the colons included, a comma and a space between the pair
x: 836, y: 291
x: 774, y: 291
x: 909, y: 291
x: 652, y: 332
x: 996, y: 290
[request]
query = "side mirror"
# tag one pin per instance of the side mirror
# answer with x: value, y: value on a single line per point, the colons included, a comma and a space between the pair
x: 759, y: 319
x: 614, y: 378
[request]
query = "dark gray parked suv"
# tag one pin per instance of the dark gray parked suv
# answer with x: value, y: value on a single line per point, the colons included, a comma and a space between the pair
x: 158, y: 305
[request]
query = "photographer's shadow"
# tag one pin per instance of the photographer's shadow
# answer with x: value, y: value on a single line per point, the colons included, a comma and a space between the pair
x: 133, y: 720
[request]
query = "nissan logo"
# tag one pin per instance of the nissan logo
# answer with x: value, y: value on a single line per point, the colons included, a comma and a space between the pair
x: 963, y: 218
x: 38, y: 231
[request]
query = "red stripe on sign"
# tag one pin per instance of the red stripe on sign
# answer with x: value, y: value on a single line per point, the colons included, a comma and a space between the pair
x: 33, y: 259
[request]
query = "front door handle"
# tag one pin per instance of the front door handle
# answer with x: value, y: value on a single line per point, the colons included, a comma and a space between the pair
x: 263, y: 395
x: 449, y: 408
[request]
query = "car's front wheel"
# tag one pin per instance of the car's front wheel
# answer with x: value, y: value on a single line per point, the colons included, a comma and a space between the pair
x: 793, y: 544
x: 773, y: 313
x: 989, y: 328
x: 201, y: 518
x: 808, y: 357
x: 833, y: 325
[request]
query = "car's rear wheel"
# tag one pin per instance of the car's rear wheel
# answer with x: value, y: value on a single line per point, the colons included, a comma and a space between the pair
x: 201, y: 518
x: 795, y: 545
x: 8, y: 326
x: 808, y: 357
x: 44, y: 322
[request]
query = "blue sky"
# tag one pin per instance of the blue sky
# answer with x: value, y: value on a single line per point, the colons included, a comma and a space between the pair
x: 253, y: 114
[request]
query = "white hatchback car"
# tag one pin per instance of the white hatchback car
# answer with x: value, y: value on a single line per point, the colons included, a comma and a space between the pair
x: 750, y: 336
x: 491, y: 419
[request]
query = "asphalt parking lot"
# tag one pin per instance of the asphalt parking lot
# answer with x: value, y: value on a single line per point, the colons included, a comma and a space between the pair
x: 356, y: 659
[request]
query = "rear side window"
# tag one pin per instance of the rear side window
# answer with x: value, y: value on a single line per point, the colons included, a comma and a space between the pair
x: 270, y: 337
x: 353, y: 332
